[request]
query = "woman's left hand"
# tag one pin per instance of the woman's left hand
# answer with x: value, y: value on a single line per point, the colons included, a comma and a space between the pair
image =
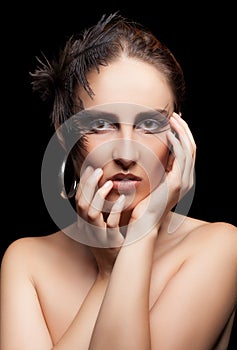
x: 177, y: 181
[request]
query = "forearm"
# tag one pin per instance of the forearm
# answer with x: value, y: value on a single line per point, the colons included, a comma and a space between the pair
x: 79, y: 333
x: 123, y: 321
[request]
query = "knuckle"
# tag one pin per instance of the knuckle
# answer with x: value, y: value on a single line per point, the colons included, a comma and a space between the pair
x: 82, y: 205
x: 101, y: 193
x: 92, y: 213
x: 78, y: 194
x: 177, y: 186
x: 111, y: 223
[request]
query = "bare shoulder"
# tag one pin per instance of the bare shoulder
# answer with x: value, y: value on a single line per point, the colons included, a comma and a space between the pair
x: 216, y: 234
x: 211, y: 239
x: 209, y: 248
x: 25, y: 248
x: 188, y: 229
x: 219, y: 227
x: 184, y: 231
x: 214, y: 249
x: 28, y: 251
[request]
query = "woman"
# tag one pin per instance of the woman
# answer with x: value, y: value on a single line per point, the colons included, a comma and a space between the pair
x: 130, y: 273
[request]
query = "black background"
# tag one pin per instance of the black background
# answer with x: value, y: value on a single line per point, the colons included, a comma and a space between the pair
x: 203, y: 40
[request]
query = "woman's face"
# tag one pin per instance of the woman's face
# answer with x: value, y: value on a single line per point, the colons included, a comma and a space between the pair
x: 127, y: 120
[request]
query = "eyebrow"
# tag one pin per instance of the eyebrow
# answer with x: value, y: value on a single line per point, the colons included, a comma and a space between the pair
x: 112, y: 116
x: 152, y: 113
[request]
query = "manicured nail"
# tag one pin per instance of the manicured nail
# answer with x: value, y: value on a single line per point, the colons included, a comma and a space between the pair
x: 108, y: 184
x: 98, y: 172
x: 121, y: 198
x: 88, y: 168
x: 177, y: 115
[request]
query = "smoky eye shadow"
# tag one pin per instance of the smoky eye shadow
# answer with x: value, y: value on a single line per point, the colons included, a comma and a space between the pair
x: 84, y: 118
x: 162, y: 117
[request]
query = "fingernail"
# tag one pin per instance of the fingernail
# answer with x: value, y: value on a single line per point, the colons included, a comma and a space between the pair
x: 171, y: 133
x: 177, y: 115
x: 108, y: 184
x: 97, y: 172
x: 88, y: 168
x: 121, y: 198
x: 173, y: 120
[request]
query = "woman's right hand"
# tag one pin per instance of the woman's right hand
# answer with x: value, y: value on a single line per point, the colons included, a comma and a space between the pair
x: 103, y: 237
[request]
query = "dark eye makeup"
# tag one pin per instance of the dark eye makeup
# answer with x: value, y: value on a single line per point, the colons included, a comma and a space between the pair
x: 148, y: 122
x: 152, y: 122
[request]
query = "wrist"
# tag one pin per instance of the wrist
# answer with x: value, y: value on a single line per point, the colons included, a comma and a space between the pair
x: 135, y: 234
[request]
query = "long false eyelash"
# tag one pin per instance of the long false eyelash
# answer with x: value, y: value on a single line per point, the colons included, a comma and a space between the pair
x: 165, y: 111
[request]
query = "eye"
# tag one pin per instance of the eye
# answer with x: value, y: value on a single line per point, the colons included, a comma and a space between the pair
x: 152, y: 125
x: 101, y: 125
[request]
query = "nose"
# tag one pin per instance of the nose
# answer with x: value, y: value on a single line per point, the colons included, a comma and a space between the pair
x: 125, y: 153
x: 124, y: 163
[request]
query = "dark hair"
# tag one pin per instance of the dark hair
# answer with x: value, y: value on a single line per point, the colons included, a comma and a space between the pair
x: 97, y: 46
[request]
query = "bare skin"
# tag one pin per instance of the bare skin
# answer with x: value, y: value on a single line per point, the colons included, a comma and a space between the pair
x: 45, y: 295
x: 160, y: 291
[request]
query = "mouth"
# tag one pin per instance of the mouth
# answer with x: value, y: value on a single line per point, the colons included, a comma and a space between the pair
x: 125, y: 183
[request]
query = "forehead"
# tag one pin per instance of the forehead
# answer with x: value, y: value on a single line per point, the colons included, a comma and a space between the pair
x: 128, y: 81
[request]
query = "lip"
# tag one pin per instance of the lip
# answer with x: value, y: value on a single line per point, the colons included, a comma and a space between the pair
x: 125, y: 183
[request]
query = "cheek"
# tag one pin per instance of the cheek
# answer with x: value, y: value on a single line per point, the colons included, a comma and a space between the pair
x: 97, y: 153
x: 152, y: 155
x: 155, y: 164
x: 163, y: 155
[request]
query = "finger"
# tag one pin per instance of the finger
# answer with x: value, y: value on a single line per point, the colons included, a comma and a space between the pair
x: 178, y: 152
x: 190, y: 150
x: 97, y: 204
x: 84, y: 176
x: 181, y: 177
x: 184, y: 134
x: 115, y: 213
x: 114, y: 236
x: 88, y: 189
x: 185, y: 126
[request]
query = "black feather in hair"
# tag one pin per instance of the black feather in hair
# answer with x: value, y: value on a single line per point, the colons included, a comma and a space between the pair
x: 55, y: 81
x: 91, y: 48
